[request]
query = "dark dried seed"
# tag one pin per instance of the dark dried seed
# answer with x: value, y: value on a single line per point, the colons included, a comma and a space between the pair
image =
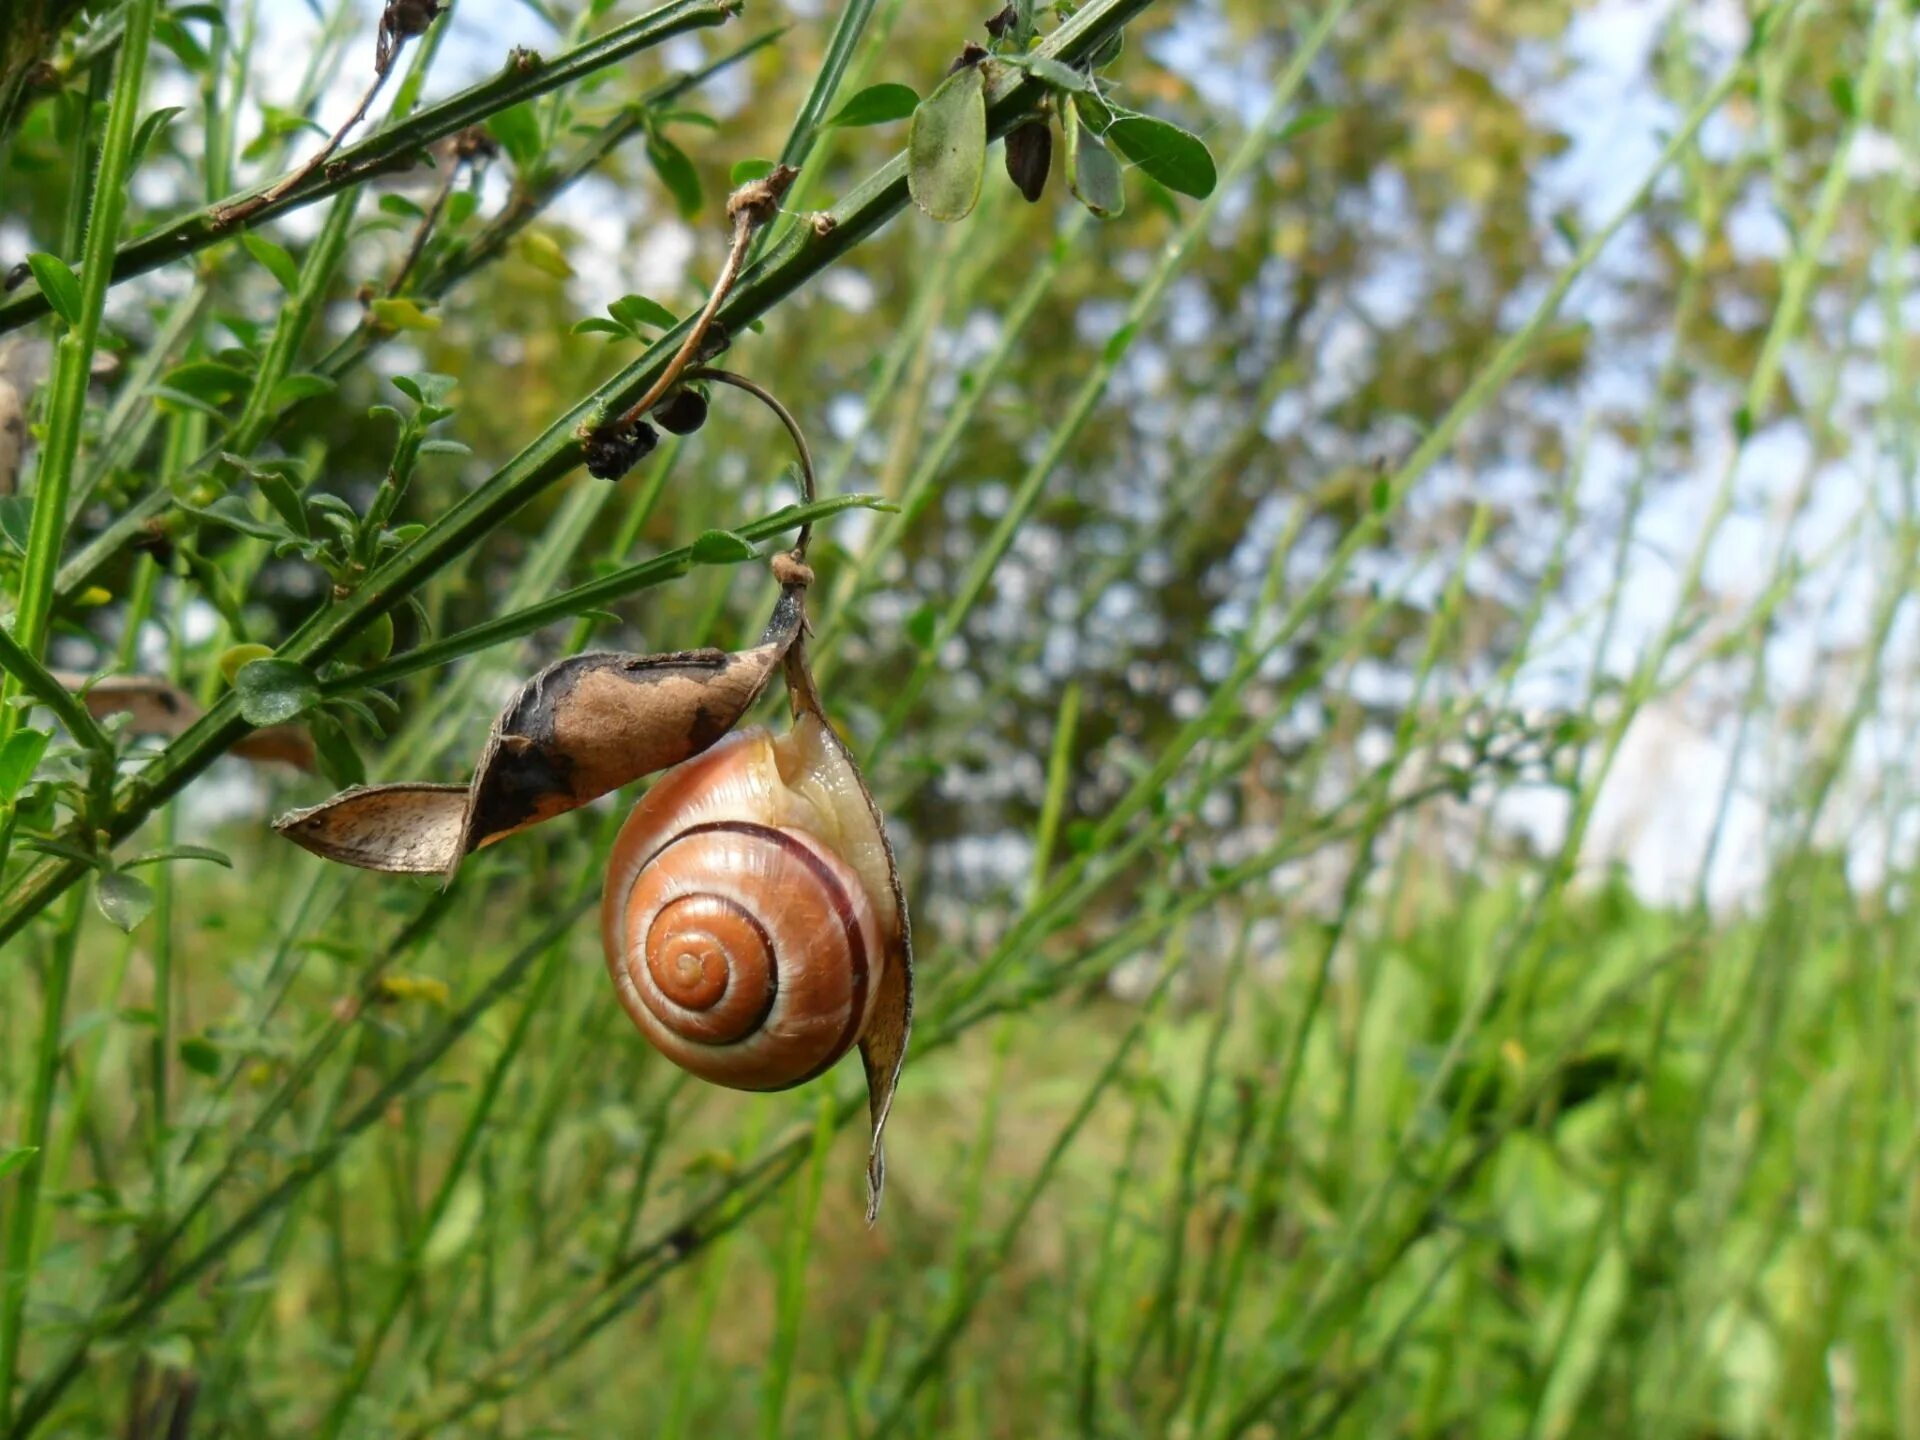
x: 1029, y: 157
x: 682, y: 412
x: 973, y: 54
x: 611, y: 456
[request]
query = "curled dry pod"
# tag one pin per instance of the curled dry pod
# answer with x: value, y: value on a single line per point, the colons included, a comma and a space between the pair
x: 581, y: 727
x: 753, y: 921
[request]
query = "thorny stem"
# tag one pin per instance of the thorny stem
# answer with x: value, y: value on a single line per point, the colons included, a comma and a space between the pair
x: 749, y: 207
x: 392, y: 40
x: 472, y: 148
x: 809, y: 485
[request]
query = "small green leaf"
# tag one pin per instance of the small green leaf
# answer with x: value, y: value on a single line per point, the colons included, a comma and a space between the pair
x: 721, y: 547
x: 292, y: 389
x: 633, y: 311
x: 1118, y: 342
x: 1059, y: 76
x: 149, y: 130
x: 274, y: 259
x: 746, y: 171
x: 1092, y: 174
x: 543, y: 252
x: 518, y: 131
x: 395, y: 314
x: 876, y: 105
x: 1840, y: 88
x: 400, y: 205
x: 947, y: 146
x: 272, y: 692
x: 58, y: 283
x: 457, y: 1223
x: 179, y: 852
x: 208, y: 381
x: 676, y: 172
x: 235, y: 656
x: 1177, y: 159
x: 15, y: 1158
x: 16, y: 520
x: 19, y: 758
x: 1310, y: 119
x: 200, y: 1055
x: 122, y: 898
x: 598, y: 325
x: 923, y: 625
x: 339, y: 761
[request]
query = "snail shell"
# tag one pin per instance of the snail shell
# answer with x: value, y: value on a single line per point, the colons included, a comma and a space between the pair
x: 749, y: 914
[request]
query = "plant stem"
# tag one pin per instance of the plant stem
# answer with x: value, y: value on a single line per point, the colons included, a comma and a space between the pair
x: 73, y: 353
x: 549, y: 457
x: 522, y: 78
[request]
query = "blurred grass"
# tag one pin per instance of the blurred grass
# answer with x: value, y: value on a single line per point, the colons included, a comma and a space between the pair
x: 1263, y: 1084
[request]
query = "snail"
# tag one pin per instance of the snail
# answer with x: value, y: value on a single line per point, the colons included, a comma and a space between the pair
x: 752, y: 920
x: 749, y: 913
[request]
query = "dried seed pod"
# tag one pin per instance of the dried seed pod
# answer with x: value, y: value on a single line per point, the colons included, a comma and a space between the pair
x: 682, y: 412
x: 403, y: 829
x: 611, y: 456
x: 1029, y: 157
x: 581, y: 727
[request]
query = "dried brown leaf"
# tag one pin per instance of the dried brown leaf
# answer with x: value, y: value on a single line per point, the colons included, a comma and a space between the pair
x: 159, y: 707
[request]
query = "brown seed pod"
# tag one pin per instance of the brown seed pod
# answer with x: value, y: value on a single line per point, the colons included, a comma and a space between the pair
x: 611, y: 455
x: 581, y: 727
x: 1029, y: 157
x: 682, y: 412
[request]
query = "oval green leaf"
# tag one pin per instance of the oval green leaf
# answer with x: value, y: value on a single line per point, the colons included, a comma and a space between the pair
x: 876, y: 105
x: 272, y: 692
x: 274, y: 259
x: 947, y: 146
x: 1176, y: 159
x: 633, y: 311
x: 676, y: 172
x: 123, y: 899
x: 721, y: 547
x: 58, y: 283
x: 1093, y: 175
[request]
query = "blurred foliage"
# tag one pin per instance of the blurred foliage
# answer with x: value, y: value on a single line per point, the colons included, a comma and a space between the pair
x: 1421, y: 1137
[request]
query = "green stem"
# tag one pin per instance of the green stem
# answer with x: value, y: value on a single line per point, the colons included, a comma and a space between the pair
x: 522, y: 78
x: 552, y: 455
x: 73, y: 354
x: 23, y: 1218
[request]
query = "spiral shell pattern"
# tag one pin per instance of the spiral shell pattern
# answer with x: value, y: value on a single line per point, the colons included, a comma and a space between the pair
x: 747, y: 952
